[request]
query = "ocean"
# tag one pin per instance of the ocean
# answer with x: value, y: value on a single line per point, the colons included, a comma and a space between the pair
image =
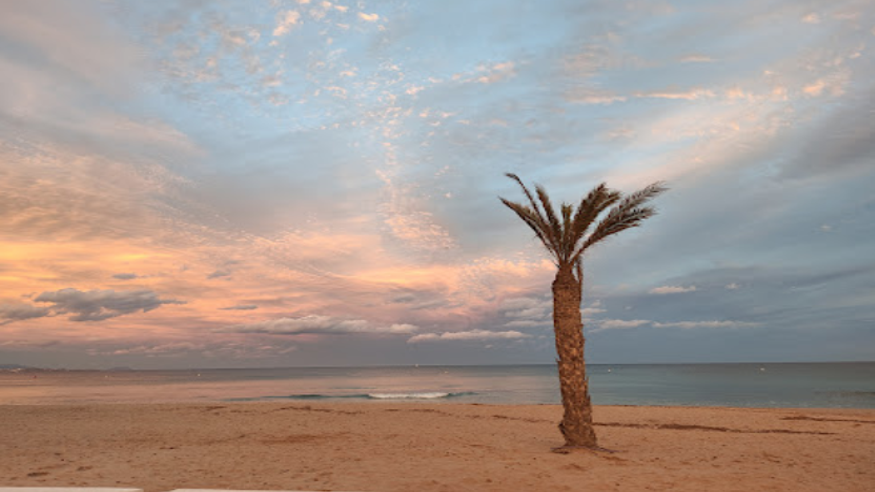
x: 787, y: 385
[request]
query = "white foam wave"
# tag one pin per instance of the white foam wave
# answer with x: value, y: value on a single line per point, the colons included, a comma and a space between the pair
x: 407, y: 396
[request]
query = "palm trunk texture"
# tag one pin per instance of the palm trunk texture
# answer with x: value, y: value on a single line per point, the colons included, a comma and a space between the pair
x: 576, y: 425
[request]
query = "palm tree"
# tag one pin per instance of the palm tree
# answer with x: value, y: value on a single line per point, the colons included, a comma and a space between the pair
x: 566, y: 236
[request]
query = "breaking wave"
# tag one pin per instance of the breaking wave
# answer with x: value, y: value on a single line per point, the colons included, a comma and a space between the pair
x: 423, y: 395
x: 411, y: 396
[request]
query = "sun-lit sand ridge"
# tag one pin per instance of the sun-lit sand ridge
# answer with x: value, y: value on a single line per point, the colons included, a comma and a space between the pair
x: 437, y: 447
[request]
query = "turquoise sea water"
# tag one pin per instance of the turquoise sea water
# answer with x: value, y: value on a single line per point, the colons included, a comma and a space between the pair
x: 826, y: 385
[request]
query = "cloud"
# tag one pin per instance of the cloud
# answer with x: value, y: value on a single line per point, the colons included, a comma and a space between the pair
x: 70, y: 38
x: 585, y: 95
x: 815, y: 88
x: 622, y: 323
x: 98, y: 305
x: 689, y: 95
x: 240, y: 307
x: 402, y: 328
x: 523, y: 303
x: 271, y: 80
x: 416, y: 300
x: 417, y: 229
x: 841, y: 141
x: 126, y: 276
x: 468, y: 335
x: 706, y: 324
x: 19, y: 312
x: 526, y: 307
x: 160, y: 349
x: 496, y: 72
x: 315, y: 324
x: 246, y: 350
x: 69, y: 42
x: 739, y: 93
x: 596, y: 57
x: 285, y: 22
x: 219, y: 274
x: 30, y: 343
x: 811, y: 18
x: 369, y: 17
x: 672, y: 289
x: 595, y: 308
x: 527, y: 323
x: 526, y: 312
x: 696, y: 58
x: 406, y: 298
x: 618, y: 324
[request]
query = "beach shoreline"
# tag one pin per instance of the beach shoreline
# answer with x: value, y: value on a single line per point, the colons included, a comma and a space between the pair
x: 391, y: 446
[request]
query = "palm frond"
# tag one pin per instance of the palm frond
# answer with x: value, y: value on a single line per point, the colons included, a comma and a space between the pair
x: 625, y: 215
x: 612, y: 224
x: 553, y: 220
x: 528, y: 194
x: 643, y: 195
x: 562, y: 234
x: 548, y: 235
x: 591, y: 206
x: 530, y: 217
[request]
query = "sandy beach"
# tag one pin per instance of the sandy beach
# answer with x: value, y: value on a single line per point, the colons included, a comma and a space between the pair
x: 437, y: 447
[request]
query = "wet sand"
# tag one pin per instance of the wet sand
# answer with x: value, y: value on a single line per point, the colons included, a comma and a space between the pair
x: 432, y: 447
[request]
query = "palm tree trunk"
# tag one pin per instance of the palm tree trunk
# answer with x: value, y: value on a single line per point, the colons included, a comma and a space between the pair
x: 576, y: 425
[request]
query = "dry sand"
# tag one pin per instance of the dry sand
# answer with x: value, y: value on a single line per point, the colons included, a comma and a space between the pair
x: 437, y: 447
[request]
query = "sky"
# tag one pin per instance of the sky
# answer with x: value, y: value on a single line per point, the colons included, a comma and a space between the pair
x: 194, y: 184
